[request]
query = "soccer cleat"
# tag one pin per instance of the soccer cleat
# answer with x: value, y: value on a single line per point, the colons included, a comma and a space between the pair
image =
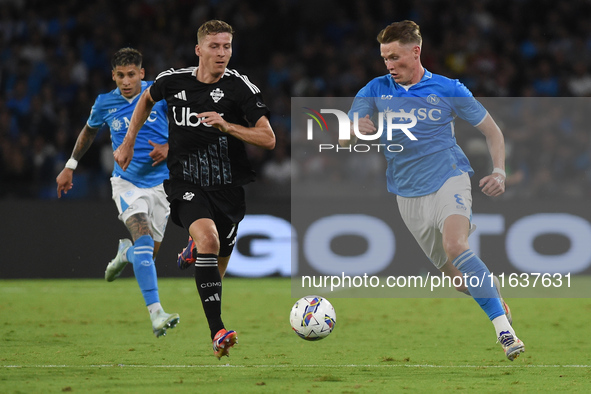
x: 115, y: 267
x: 187, y: 257
x: 223, y: 341
x: 162, y: 321
x: 512, y: 345
x: 503, y: 303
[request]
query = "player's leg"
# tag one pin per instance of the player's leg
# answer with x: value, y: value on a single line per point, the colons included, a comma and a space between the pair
x: 480, y: 283
x: 208, y: 280
x: 159, y: 215
x: 141, y: 255
x: 156, y: 249
x: 454, y: 204
x: 223, y: 265
x: 228, y: 232
x: 226, y: 221
x: 187, y: 258
x: 119, y: 188
x: 207, y: 276
x: 143, y: 210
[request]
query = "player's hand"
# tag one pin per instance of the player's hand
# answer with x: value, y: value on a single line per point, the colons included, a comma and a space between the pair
x: 159, y: 153
x: 64, y: 181
x: 366, y: 126
x: 214, y: 119
x: 493, y: 185
x: 123, y: 155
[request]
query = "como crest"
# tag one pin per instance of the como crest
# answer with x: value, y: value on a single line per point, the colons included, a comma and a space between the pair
x: 217, y: 94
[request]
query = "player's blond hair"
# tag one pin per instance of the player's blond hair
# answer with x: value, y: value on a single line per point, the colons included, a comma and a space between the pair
x: 406, y: 32
x: 213, y: 26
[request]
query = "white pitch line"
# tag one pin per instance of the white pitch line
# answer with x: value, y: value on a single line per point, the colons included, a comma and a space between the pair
x: 297, y: 366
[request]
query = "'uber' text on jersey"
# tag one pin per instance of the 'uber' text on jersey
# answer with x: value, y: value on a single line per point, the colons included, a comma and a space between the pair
x: 187, y: 118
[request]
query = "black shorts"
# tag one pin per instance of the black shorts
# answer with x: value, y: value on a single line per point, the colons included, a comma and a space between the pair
x: 225, y: 207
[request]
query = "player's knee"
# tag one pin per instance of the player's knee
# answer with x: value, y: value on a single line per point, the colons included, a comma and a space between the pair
x: 207, y: 242
x: 454, y: 247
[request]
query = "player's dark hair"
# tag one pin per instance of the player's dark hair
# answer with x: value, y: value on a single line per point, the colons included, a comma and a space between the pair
x: 406, y: 32
x: 127, y: 57
x: 213, y: 26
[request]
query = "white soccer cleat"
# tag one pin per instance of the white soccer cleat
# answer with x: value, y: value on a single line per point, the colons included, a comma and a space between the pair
x: 512, y: 345
x: 503, y: 303
x: 162, y: 321
x: 115, y: 267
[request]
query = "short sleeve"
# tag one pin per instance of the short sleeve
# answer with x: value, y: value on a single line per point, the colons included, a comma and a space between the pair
x: 157, y: 89
x: 251, y: 102
x: 363, y: 103
x: 466, y: 106
x: 95, y: 119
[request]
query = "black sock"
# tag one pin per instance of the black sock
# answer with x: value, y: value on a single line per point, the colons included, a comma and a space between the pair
x: 209, y: 286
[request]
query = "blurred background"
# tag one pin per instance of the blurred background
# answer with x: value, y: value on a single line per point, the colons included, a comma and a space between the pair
x: 55, y: 60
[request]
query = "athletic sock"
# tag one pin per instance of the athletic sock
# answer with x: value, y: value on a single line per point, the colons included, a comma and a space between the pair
x: 153, y: 308
x: 482, y: 290
x: 141, y: 256
x: 502, y: 326
x: 209, y: 286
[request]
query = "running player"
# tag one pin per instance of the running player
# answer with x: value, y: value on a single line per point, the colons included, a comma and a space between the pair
x: 212, y: 112
x: 431, y: 176
x: 137, y: 192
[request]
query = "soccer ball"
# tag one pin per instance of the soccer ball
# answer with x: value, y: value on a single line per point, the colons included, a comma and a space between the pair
x: 312, y: 318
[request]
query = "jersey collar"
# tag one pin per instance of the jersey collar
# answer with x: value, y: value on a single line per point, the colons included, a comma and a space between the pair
x: 426, y: 76
x: 194, y: 73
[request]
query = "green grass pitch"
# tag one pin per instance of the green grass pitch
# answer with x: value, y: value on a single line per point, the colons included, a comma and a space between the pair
x: 90, y: 336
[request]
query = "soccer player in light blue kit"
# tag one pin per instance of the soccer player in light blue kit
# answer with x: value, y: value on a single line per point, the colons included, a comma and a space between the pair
x: 137, y: 192
x: 430, y: 176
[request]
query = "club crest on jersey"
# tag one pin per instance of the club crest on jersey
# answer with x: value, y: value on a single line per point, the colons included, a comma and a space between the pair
x: 433, y: 99
x: 217, y: 94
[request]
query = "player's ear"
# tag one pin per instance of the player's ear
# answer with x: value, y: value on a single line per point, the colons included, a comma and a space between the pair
x: 417, y: 51
x: 197, y: 50
x: 113, y: 74
x: 142, y: 73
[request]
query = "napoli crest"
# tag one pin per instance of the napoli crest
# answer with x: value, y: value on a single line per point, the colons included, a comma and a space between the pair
x: 433, y: 99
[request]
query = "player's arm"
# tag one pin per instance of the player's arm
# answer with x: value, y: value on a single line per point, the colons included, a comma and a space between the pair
x: 83, y: 142
x: 260, y: 135
x: 159, y: 153
x: 366, y: 126
x: 363, y: 104
x: 494, y: 184
x: 124, y: 153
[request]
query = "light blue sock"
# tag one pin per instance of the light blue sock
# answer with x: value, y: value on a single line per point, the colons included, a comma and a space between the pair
x: 484, y: 292
x: 141, y: 256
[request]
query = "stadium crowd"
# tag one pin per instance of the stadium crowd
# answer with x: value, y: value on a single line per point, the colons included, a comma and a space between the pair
x: 54, y: 60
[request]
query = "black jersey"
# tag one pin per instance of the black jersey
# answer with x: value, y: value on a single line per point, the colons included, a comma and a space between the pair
x: 202, y: 154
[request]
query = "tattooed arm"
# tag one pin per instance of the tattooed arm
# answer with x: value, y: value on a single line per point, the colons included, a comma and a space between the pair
x: 85, y: 139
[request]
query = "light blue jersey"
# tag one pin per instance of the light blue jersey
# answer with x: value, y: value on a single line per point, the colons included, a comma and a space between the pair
x: 115, y: 110
x: 423, y: 165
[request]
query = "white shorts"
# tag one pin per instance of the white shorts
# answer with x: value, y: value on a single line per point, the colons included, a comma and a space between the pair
x: 131, y: 200
x: 424, y: 216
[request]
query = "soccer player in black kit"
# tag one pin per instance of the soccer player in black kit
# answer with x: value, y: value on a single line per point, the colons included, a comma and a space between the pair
x: 212, y: 112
